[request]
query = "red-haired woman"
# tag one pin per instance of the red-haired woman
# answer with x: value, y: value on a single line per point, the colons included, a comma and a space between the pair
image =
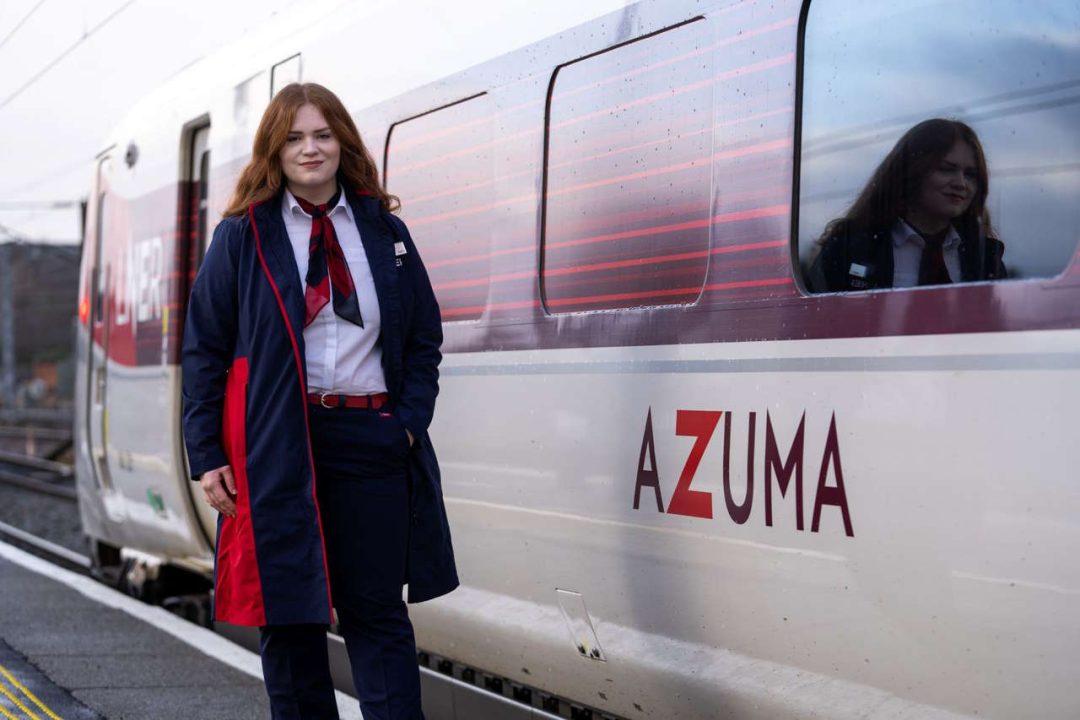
x: 921, y: 220
x: 310, y: 370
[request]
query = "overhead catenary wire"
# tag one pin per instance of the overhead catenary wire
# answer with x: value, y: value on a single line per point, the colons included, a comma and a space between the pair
x: 78, y: 165
x: 27, y: 16
x: 63, y: 204
x: 71, y: 48
x: 9, y: 234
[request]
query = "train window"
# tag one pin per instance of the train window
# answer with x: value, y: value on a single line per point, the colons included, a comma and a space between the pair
x: 99, y: 280
x: 200, y: 182
x: 285, y: 72
x: 628, y: 175
x: 439, y: 165
x: 897, y: 100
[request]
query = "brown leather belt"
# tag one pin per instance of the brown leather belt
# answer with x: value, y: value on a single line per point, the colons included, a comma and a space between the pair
x: 336, y: 400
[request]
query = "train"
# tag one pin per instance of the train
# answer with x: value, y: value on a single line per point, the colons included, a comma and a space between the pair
x: 680, y: 484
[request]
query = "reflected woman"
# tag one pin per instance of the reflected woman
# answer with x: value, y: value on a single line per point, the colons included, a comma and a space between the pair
x: 921, y: 220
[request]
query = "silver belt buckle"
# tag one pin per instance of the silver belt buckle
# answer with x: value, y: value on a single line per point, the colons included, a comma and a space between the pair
x: 322, y: 400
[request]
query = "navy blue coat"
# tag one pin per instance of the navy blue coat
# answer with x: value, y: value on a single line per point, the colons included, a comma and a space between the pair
x: 831, y: 270
x: 245, y: 405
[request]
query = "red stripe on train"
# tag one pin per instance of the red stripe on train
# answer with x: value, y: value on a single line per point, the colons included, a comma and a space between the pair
x: 766, y: 147
x: 592, y: 299
x: 612, y: 265
x: 737, y: 216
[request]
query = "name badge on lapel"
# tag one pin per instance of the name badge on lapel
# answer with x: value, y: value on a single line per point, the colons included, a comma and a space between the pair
x: 858, y: 276
x: 399, y: 250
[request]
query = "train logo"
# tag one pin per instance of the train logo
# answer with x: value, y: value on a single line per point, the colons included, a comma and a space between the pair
x: 701, y: 425
x: 140, y: 288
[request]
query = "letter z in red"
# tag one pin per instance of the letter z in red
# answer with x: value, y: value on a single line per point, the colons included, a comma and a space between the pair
x: 699, y: 424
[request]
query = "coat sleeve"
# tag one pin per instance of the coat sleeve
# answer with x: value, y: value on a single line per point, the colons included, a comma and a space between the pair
x: 422, y: 338
x: 208, y: 348
x: 996, y: 260
x: 828, y: 270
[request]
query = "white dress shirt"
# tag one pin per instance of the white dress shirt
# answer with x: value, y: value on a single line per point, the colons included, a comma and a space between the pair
x: 908, y: 247
x: 341, y: 357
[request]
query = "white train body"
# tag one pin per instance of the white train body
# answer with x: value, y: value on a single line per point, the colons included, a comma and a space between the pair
x: 740, y: 499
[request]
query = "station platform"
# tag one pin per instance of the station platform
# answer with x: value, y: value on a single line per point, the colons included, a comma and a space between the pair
x: 73, y: 649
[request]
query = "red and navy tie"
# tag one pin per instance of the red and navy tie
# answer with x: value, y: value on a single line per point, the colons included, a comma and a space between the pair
x: 327, y: 269
x: 932, y: 267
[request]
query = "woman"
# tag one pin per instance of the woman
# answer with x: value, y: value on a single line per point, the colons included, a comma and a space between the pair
x: 310, y: 370
x: 921, y: 220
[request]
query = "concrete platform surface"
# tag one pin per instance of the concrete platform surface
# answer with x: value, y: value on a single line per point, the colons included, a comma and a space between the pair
x: 71, y: 648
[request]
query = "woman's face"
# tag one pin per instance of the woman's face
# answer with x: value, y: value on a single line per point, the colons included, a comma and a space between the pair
x: 311, y: 156
x: 948, y: 189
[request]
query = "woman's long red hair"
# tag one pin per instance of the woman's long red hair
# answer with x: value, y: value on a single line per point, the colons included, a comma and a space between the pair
x: 262, y: 179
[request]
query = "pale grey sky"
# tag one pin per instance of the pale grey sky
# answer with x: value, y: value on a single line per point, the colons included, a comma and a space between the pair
x: 69, y: 70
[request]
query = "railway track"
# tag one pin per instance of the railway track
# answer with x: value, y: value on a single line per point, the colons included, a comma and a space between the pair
x: 50, y: 482
x: 38, y: 509
x: 38, y: 475
x: 49, y: 444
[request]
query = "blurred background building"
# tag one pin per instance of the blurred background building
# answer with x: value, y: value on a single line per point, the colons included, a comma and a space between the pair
x: 38, y: 286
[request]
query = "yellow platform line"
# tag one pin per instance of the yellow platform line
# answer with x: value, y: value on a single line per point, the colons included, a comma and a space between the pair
x: 33, y: 698
x: 12, y: 698
x: 7, y: 714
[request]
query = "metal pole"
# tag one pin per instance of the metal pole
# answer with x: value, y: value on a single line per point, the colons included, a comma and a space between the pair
x: 7, y: 326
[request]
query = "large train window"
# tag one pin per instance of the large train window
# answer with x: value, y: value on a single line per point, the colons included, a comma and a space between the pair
x: 939, y: 142
x: 628, y: 175
x: 439, y: 165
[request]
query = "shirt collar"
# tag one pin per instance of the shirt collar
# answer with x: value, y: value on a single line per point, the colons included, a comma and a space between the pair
x: 293, y: 207
x: 903, y: 233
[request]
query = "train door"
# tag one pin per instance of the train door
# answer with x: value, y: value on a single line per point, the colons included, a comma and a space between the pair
x: 196, y: 230
x: 97, y: 420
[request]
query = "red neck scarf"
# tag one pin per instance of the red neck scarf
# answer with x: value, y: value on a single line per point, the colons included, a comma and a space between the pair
x: 327, y: 270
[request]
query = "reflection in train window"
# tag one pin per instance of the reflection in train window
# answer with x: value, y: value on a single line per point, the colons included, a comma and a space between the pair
x: 627, y: 204
x: 873, y: 73
x: 439, y: 165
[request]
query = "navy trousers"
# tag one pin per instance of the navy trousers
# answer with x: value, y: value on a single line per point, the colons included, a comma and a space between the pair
x: 361, y: 482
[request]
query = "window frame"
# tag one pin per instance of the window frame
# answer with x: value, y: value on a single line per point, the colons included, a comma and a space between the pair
x: 545, y: 309
x: 799, y: 273
x: 386, y: 180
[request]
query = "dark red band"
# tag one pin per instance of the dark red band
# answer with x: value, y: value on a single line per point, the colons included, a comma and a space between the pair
x: 336, y: 400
